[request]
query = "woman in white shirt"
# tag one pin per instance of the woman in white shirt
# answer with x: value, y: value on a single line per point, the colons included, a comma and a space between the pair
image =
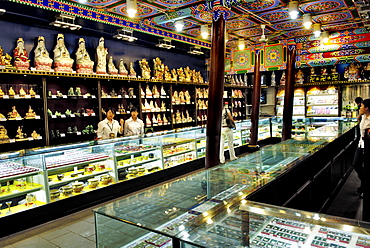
x: 133, y: 125
x: 226, y: 133
x: 108, y: 128
x: 358, y: 160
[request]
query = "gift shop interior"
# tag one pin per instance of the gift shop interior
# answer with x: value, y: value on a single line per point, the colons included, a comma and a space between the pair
x: 275, y: 81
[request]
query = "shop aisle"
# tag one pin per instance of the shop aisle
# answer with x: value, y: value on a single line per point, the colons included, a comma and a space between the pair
x: 348, y: 203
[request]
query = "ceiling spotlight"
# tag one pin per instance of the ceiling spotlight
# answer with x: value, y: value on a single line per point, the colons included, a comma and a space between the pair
x: 241, y: 44
x: 307, y: 22
x: 204, y: 31
x: 2, y: 11
x: 125, y: 34
x: 293, y: 9
x: 325, y: 36
x: 65, y: 21
x: 179, y: 25
x: 195, y: 50
x: 165, y: 43
x: 317, y: 30
x: 131, y: 8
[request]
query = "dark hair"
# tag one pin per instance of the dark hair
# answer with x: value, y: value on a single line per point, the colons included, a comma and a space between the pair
x: 366, y: 103
x: 134, y: 109
x: 358, y: 100
x: 111, y: 109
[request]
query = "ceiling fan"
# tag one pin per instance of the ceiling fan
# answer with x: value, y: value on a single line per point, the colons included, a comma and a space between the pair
x: 263, y: 36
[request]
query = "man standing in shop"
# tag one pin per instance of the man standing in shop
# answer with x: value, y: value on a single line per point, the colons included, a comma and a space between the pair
x: 358, y: 160
x: 226, y: 133
x: 108, y: 128
x: 133, y: 125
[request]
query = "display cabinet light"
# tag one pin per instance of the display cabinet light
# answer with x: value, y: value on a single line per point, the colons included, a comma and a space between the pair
x: 179, y: 25
x: 241, y: 44
x: 325, y: 36
x: 307, y: 22
x: 131, y: 8
x: 317, y: 30
x: 65, y: 21
x: 196, y: 50
x: 2, y: 11
x: 125, y: 34
x: 165, y: 43
x: 293, y: 9
x: 204, y: 31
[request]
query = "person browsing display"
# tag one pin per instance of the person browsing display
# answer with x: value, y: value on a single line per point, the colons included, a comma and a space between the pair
x: 133, y: 125
x: 226, y: 133
x: 109, y: 128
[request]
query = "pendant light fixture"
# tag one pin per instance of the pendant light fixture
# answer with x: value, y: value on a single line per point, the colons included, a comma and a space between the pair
x: 317, y: 30
x: 307, y: 22
x: 293, y: 9
x: 325, y: 36
x: 179, y: 25
x: 204, y: 31
x: 131, y: 8
x: 241, y: 44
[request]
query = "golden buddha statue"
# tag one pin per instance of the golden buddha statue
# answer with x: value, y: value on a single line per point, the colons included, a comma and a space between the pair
x: 35, y: 135
x: 22, y: 92
x: 11, y: 91
x: 32, y: 92
x: 1, y: 91
x: 30, y: 114
x: 4, y: 138
x: 20, y: 135
x: 13, y: 114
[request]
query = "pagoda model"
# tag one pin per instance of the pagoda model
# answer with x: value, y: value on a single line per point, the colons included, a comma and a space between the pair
x: 62, y: 59
x: 42, y: 60
x: 83, y: 62
x: 21, y: 61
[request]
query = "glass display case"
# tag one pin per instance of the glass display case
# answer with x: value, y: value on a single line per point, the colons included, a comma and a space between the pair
x: 299, y: 102
x: 322, y: 101
x: 264, y: 128
x: 208, y: 209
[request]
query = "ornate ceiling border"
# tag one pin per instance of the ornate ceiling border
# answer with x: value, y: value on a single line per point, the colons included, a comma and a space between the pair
x: 112, y: 19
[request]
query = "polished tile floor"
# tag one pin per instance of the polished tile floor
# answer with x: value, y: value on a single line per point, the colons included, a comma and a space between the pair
x: 77, y: 230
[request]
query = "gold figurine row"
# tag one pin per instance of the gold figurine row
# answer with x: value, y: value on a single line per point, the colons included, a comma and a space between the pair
x: 62, y: 62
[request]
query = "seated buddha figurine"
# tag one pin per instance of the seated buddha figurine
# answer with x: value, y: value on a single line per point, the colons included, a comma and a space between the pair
x: 3, y: 134
x: 62, y: 59
x: 11, y: 91
x: 122, y: 69
x: 22, y: 92
x: 13, y: 114
x: 1, y: 91
x: 175, y: 98
x: 21, y: 61
x: 167, y: 73
x: 32, y: 92
x: 83, y: 62
x: 181, y: 75
x: 188, y: 73
x: 182, y: 97
x: 174, y: 75
x: 132, y: 70
x: 187, y: 97
x: 42, y: 60
x: 111, y: 67
x: 5, y: 59
x: 178, y: 117
x: 35, y: 135
x: 30, y: 113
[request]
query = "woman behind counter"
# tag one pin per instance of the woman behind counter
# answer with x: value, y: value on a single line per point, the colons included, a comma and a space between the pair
x: 133, y: 125
x: 108, y: 128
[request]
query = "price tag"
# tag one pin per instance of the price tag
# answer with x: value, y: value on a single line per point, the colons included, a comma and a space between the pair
x: 63, y: 116
x: 2, y: 119
x: 109, y: 96
x: 126, y: 96
x: 40, y: 137
x: 53, y: 96
x: 149, y: 97
x: 119, y: 96
x: 93, y: 96
x: 85, y: 96
x: 12, y: 140
x: 37, y: 117
x: 73, y: 115
x: 62, y: 135
x: 30, y: 139
x: 16, y: 96
x: 78, y: 133
x: 5, y: 96
x: 28, y: 96
x: 92, y: 114
x: 65, y: 96
x: 134, y: 96
x: 117, y: 113
x: 86, y: 114
x: 53, y: 116
x: 2, y: 67
x: 37, y: 96
x: 18, y: 118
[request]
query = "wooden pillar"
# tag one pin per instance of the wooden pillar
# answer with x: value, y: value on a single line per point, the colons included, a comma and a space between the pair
x: 288, y: 97
x: 256, y: 94
x: 215, y: 93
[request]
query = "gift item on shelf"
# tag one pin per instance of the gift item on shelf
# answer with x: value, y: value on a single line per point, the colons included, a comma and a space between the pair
x: 188, y: 74
x: 30, y: 113
x: 89, y: 129
x: 5, y: 59
x: 20, y: 136
x: 42, y: 60
x: 21, y: 61
x: 145, y: 69
x: 62, y: 59
x: 299, y: 77
x: 132, y: 71
x: 35, y: 135
x: 14, y: 114
x: 163, y: 106
x: 31, y: 92
x: 11, y: 91
x: 1, y: 91
x: 175, y: 98
x: 113, y: 94
x: 148, y: 123
x: 178, y: 118
x: 142, y: 93
x: 159, y: 120
x: 122, y: 69
x: 22, y: 92
x: 121, y: 109
x: 165, y: 121
x: 174, y: 75
x: 158, y: 68
x: 4, y: 138
x: 78, y: 91
x: 282, y: 79
x: 148, y: 92
x: 181, y: 74
x: 146, y: 106
x: 103, y: 93
x: 182, y: 97
x: 154, y: 121
x: 151, y: 106
x: 111, y: 67
x: 187, y: 97
x: 155, y: 92
x: 71, y: 92
x: 167, y: 73
x: 101, y: 54
x: 84, y: 64
x: 156, y: 107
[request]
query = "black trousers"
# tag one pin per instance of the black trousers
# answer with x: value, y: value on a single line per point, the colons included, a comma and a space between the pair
x: 358, y: 163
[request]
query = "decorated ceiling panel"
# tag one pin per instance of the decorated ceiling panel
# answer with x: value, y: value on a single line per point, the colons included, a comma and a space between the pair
x: 244, y: 20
